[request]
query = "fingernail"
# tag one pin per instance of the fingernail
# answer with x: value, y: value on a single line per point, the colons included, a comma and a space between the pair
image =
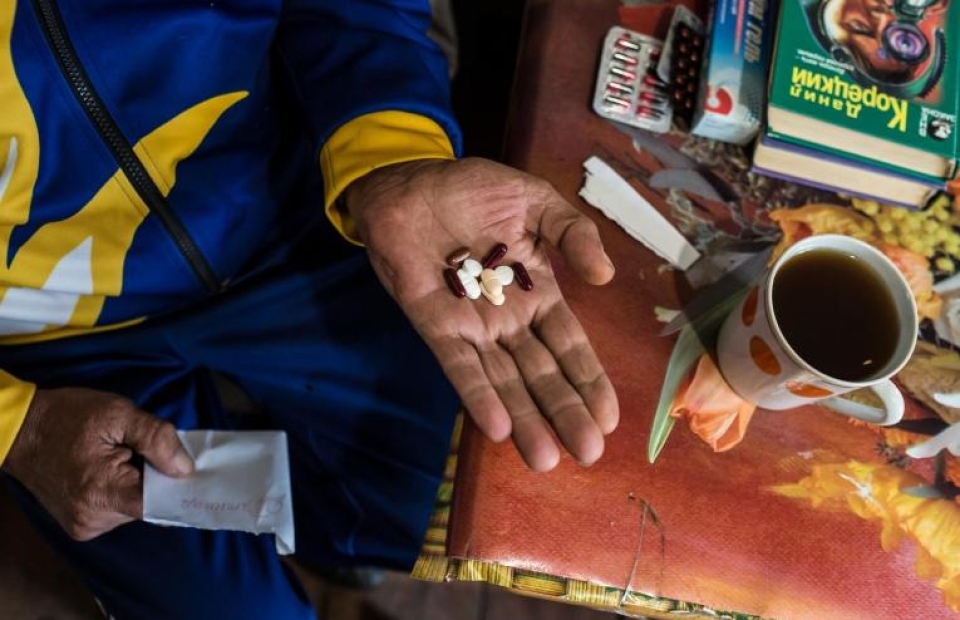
x: 610, y: 263
x: 183, y: 464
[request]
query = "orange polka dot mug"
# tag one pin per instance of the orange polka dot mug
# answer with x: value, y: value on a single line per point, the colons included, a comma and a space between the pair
x: 831, y: 315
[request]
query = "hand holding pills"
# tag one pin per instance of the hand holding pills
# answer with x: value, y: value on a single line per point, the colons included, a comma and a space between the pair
x: 458, y: 244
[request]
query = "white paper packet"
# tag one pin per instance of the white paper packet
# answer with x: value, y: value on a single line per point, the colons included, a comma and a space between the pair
x: 241, y: 482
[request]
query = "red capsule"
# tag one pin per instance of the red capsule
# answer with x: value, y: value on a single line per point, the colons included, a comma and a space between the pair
x: 454, y: 283
x: 493, y: 257
x: 616, y: 102
x: 652, y: 81
x: 652, y: 98
x: 649, y: 112
x: 458, y: 256
x: 617, y: 87
x: 623, y: 73
x: 522, y: 277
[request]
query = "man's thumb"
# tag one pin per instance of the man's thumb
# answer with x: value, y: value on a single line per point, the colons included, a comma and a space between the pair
x: 159, y: 443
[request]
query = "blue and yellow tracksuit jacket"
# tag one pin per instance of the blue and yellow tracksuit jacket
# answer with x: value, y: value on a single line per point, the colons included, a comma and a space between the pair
x: 151, y: 150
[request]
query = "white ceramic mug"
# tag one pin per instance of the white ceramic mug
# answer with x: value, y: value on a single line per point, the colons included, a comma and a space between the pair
x: 762, y: 367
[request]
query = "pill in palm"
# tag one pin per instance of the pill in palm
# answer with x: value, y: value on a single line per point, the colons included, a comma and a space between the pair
x: 504, y: 274
x: 494, y: 256
x: 472, y: 287
x: 496, y: 300
x: 458, y: 256
x: 472, y: 267
x: 523, y: 278
x: 454, y: 283
x: 490, y: 283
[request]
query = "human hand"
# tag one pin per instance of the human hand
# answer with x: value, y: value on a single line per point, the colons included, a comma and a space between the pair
x: 74, y: 454
x: 523, y: 368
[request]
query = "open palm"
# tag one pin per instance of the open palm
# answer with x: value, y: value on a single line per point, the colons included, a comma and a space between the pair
x: 524, y: 369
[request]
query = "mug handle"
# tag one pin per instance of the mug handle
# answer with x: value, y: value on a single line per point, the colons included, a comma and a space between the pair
x: 890, y: 396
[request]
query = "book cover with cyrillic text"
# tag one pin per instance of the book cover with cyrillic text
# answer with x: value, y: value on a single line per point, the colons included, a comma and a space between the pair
x: 886, y: 68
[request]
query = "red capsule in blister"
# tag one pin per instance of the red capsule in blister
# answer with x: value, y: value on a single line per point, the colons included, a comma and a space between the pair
x: 493, y: 257
x: 652, y: 81
x: 617, y: 87
x: 522, y: 277
x: 453, y: 282
x: 616, y: 102
x: 653, y: 98
x: 649, y: 112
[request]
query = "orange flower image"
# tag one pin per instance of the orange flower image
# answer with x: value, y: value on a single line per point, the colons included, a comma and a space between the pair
x: 875, y: 492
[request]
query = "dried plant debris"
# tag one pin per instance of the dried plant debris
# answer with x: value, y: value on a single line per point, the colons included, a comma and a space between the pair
x: 933, y: 370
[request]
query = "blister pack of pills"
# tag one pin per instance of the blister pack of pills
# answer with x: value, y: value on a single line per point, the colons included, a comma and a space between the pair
x: 681, y: 61
x: 628, y: 89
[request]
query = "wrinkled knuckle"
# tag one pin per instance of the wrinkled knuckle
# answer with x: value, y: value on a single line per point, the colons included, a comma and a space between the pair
x: 78, y: 514
x: 117, y: 409
x: 117, y: 402
x: 164, y: 434
x: 76, y: 532
x: 84, y: 533
x: 86, y: 489
x: 165, y: 428
x: 587, y: 223
x: 541, y: 186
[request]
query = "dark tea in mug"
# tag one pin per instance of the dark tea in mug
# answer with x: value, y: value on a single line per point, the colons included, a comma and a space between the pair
x: 836, y: 313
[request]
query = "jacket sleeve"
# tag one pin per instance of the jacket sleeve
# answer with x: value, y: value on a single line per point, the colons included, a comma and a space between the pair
x: 349, y: 58
x: 15, y: 398
x: 369, y: 142
x: 351, y: 61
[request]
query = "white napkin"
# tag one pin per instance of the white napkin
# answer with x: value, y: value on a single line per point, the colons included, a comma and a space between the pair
x: 614, y: 197
x: 241, y: 482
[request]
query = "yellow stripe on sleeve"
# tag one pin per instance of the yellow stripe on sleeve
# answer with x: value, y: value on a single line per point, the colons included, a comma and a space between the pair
x: 373, y: 141
x: 15, y: 399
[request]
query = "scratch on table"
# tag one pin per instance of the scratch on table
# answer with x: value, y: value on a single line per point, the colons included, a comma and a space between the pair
x: 646, y: 512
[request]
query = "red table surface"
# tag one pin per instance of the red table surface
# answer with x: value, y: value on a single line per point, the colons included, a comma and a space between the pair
x: 729, y: 541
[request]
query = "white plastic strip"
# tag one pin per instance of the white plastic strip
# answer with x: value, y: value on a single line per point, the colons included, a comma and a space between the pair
x: 614, y: 197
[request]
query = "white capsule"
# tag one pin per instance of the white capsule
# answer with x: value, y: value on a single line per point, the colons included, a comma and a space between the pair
x: 504, y: 274
x: 472, y: 287
x: 465, y: 277
x: 472, y: 267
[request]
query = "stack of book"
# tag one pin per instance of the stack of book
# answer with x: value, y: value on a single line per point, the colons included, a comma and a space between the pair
x: 864, y: 97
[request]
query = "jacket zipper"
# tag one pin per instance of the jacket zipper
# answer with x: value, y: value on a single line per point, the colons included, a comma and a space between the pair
x: 51, y: 23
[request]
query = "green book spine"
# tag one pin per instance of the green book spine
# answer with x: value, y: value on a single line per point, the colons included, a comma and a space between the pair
x: 887, y: 69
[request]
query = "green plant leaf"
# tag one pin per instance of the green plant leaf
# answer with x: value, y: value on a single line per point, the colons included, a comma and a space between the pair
x: 685, y: 353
